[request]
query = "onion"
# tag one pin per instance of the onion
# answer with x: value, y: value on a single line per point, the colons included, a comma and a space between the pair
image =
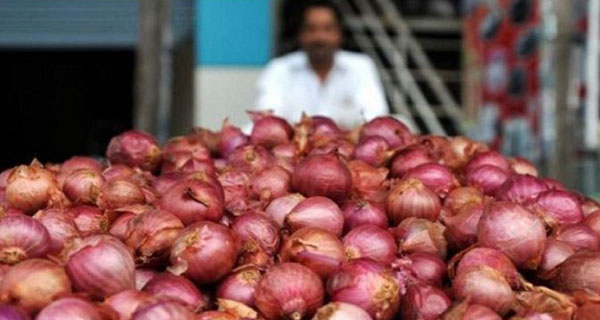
x: 323, y: 175
x: 520, y: 188
x: 408, y: 159
x: 487, y: 177
x: 193, y: 200
x: 588, y: 206
x: 31, y: 188
x: 367, y: 284
x: 89, y: 220
x: 461, y: 228
x: 269, y: 130
x: 361, y: 212
x: 523, y: 166
x: 126, y: 302
x: 553, y: 184
x: 100, y: 266
x: 368, y: 182
x: 543, y: 303
x: 424, y: 302
x: 420, y: 235
x: 484, y: 286
x: 420, y: 267
x: 231, y: 137
x: 285, y: 151
x: 60, y: 226
x: 587, y: 312
x: 555, y: 253
x: 240, y: 286
x: 136, y: 149
x: 4, y: 177
x: 289, y: 291
x: 8, y: 312
x: 119, y: 227
x: 513, y: 230
x: 142, y: 276
x: 34, y: 283
x: 118, y: 172
x: 317, y: 212
x: 191, y: 144
x: 373, y: 150
x: 370, y: 241
x: 435, y: 176
x: 280, y: 207
x: 165, y: 181
x: 216, y: 315
x: 593, y: 221
x: 341, y: 311
x: 579, y: 273
x: 492, y: 158
x: 579, y: 237
x: 163, y: 310
x: 466, y: 311
x: 557, y: 207
x: 236, y: 188
x: 315, y: 248
x: 321, y: 126
x: 70, y: 308
x: 79, y: 162
x: 250, y: 158
x: 21, y: 238
x: 331, y: 145
x: 412, y: 198
x: 151, y: 235
x: 120, y: 193
x: 490, y: 258
x: 255, y: 232
x: 271, y: 183
x: 83, y: 186
x: 182, y: 161
x: 393, y: 131
x: 165, y: 285
x: 204, y: 252
x: 460, y: 150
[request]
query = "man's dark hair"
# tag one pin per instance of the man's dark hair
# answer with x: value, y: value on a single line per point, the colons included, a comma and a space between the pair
x: 327, y: 4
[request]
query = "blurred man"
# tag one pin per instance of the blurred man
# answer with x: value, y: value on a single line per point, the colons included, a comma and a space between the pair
x: 322, y: 79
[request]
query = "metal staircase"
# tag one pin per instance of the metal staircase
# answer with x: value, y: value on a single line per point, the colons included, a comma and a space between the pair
x: 416, y: 90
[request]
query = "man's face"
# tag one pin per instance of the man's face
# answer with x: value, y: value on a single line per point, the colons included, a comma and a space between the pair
x: 320, y: 36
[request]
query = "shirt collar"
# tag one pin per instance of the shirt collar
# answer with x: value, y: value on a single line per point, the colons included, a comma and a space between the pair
x: 338, y: 63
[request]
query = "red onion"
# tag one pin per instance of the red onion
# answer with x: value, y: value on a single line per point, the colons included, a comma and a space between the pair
x: 231, y: 137
x: 191, y: 144
x: 118, y: 172
x: 100, y: 266
x: 579, y: 236
x: 492, y: 158
x: 183, y: 161
x: 83, y: 186
x: 193, y: 200
x: 119, y: 227
x: 204, y: 252
x: 254, y: 232
x: 317, y: 212
x: 490, y: 258
x: 165, y: 181
x: 424, y: 302
x: 368, y: 182
x: 163, y: 310
x: 460, y: 150
x: 393, y: 131
x: 463, y: 198
x: 142, y: 276
x: 593, y: 221
x: 269, y: 130
x: 555, y: 253
x: 420, y: 235
x: 420, y: 267
x: 126, y: 302
x: 120, y: 193
x: 250, y: 158
x: 236, y: 188
x: 466, y: 311
x: 21, y: 238
x: 341, y: 311
x: 60, y: 226
x: 216, y: 315
x: 280, y: 207
x: 136, y: 149
x: 165, y: 285
x: 513, y: 230
x: 34, y: 283
x: 289, y: 291
x: 557, y: 207
x: 70, y: 308
x: 8, y: 312
x: 587, y: 312
x: 580, y: 272
x: 361, y: 212
x: 486, y: 287
x: 212, y: 180
x: 323, y: 175
x: 523, y: 166
x: 31, y: 188
x: 435, y: 176
x: 315, y: 248
x: 89, y: 220
x: 487, y: 177
x: 271, y: 183
x: 520, y: 188
x: 436, y: 145
x: 588, y: 206
x: 79, y: 162
x: 553, y: 184
x: 373, y: 150
x: 151, y: 235
x: 287, y: 150
x: 370, y: 241
x: 240, y: 286
x: 238, y: 309
x: 461, y: 228
x: 408, y: 159
x: 412, y: 198
x: 367, y: 284
x: 321, y: 126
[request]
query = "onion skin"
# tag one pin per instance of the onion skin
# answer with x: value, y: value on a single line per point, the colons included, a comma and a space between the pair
x: 89, y: 220
x: 280, y: 207
x: 136, y: 149
x: 142, y: 276
x: 250, y: 158
x: 31, y: 188
x: 370, y: 241
x: 393, y: 131
x: 486, y: 287
x: 190, y: 143
x: 289, y: 291
x: 100, y: 266
x: 420, y: 267
x: 126, y: 302
x: 70, y: 308
x: 579, y: 273
x: 341, y: 311
x: 523, y: 166
x: 408, y: 159
x: 163, y: 310
x: 587, y: 312
x: 204, y: 252
x: 463, y: 198
x: 271, y: 183
x: 461, y: 229
x: 411, y: 198
x: 421, y: 235
x: 372, y: 150
x: 120, y: 193
x: 466, y: 311
x: 34, y: 283
x: 231, y: 137
x: 435, y: 176
x: 557, y: 208
x: 366, y: 284
x: 555, y: 253
x: 491, y: 258
x: 520, y: 188
x: 361, y: 212
x: 193, y: 200
x: 424, y: 302
x: 83, y: 186
x: 60, y: 227
x: 579, y: 237
x: 22, y: 237
x: 269, y: 130
x: 593, y: 222
x: 80, y: 162
x: 240, y: 286
x: 487, y: 177
x: 254, y: 231
x: 185, y: 162
x: 589, y: 206
x: 4, y: 177
x: 165, y: 285
x: 368, y: 182
x: 8, y: 312
x: 323, y: 175
x: 513, y: 230
x: 317, y: 212
x: 119, y: 227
